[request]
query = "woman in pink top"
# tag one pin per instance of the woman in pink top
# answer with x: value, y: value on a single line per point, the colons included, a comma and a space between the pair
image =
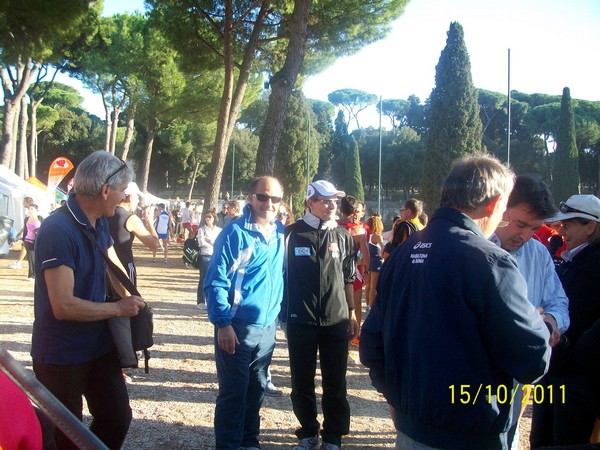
x: 32, y: 224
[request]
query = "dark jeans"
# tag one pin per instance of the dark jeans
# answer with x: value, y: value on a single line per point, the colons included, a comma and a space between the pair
x: 102, y: 384
x: 203, y: 267
x: 332, y: 345
x: 242, y: 381
x: 29, y: 248
x: 565, y: 421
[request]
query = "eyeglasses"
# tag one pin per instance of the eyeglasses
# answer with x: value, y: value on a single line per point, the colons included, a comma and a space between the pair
x: 328, y: 201
x: 121, y: 167
x: 564, y: 208
x: 263, y: 198
x: 282, y: 214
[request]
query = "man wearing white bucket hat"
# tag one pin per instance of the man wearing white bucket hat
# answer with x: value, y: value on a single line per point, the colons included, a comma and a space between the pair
x: 570, y: 418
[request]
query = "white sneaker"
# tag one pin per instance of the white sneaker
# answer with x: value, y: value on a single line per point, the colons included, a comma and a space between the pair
x: 15, y: 265
x: 309, y: 443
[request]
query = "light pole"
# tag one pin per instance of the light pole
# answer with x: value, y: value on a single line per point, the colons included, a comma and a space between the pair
x: 308, y: 151
x: 508, y: 107
x: 232, y: 169
x: 379, y: 175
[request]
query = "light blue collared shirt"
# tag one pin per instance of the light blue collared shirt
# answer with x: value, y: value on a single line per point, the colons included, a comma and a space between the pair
x: 544, y: 288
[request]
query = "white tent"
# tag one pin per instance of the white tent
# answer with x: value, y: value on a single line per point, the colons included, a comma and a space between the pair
x: 13, y: 190
x: 148, y: 199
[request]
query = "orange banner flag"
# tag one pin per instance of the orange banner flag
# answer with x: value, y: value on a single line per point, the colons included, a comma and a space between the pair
x: 59, y: 168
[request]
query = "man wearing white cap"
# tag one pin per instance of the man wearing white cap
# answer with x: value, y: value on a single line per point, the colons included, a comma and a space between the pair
x: 318, y: 307
x: 569, y: 419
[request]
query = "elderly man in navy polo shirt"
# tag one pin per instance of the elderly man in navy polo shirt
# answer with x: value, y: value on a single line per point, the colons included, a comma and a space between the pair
x: 72, y: 349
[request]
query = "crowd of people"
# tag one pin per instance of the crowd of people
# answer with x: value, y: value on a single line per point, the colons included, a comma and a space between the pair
x: 469, y: 316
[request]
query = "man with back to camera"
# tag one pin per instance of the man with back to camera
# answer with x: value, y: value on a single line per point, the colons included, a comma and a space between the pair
x: 451, y: 326
x: 186, y: 221
x: 72, y: 348
x: 243, y: 289
x: 319, y: 311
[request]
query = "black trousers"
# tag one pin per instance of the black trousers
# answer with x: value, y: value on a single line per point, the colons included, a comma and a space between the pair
x: 566, y: 420
x: 332, y: 344
x: 29, y: 248
x: 102, y: 384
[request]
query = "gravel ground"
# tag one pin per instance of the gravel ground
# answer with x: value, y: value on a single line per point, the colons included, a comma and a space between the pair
x: 173, y: 404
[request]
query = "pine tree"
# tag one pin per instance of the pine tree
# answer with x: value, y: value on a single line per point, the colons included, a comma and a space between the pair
x: 454, y: 125
x: 566, y: 173
x: 353, y: 184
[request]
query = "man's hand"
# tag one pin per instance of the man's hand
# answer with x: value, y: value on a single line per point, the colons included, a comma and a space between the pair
x: 130, y: 306
x: 227, y: 339
x: 555, y: 335
x: 550, y: 320
x: 353, y: 327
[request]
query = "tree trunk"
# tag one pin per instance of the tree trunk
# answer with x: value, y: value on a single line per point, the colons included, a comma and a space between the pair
x: 129, y: 130
x: 33, y: 138
x: 189, y: 197
x: 21, y: 166
x: 231, y: 100
x: 13, y: 92
x: 148, y: 151
x: 113, y: 131
x: 107, y: 129
x: 282, y: 84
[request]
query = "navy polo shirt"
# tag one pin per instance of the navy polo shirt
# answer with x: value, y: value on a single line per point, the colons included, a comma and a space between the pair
x: 61, y: 242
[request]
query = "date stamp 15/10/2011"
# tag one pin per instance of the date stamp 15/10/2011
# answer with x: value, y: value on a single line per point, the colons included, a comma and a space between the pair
x: 468, y: 394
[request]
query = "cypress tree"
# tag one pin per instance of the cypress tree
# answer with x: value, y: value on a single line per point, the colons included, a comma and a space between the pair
x: 339, y: 150
x: 454, y: 125
x: 290, y: 164
x: 353, y: 184
x: 566, y: 173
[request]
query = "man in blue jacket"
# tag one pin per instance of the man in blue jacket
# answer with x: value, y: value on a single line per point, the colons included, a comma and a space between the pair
x: 243, y: 289
x: 451, y: 326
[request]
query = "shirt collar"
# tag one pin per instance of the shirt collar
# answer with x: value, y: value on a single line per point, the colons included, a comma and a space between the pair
x: 568, y: 255
x: 77, y: 212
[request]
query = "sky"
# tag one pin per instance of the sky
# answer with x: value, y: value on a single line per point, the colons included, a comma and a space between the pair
x: 553, y: 44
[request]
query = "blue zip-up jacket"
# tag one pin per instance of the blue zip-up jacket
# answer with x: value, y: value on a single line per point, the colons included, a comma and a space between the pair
x: 449, y: 331
x: 244, y: 281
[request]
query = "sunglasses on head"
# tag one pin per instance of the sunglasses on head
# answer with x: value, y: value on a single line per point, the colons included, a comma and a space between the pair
x: 121, y: 167
x: 263, y: 198
x: 565, y: 209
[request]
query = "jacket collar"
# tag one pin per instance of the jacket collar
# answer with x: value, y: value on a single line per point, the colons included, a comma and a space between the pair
x: 250, y: 223
x: 459, y: 218
x: 316, y: 223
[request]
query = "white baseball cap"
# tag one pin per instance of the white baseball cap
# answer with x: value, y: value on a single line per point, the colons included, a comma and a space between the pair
x: 324, y: 189
x: 581, y: 206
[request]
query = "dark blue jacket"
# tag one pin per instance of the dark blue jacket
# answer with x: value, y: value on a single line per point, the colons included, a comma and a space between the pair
x: 451, y: 324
